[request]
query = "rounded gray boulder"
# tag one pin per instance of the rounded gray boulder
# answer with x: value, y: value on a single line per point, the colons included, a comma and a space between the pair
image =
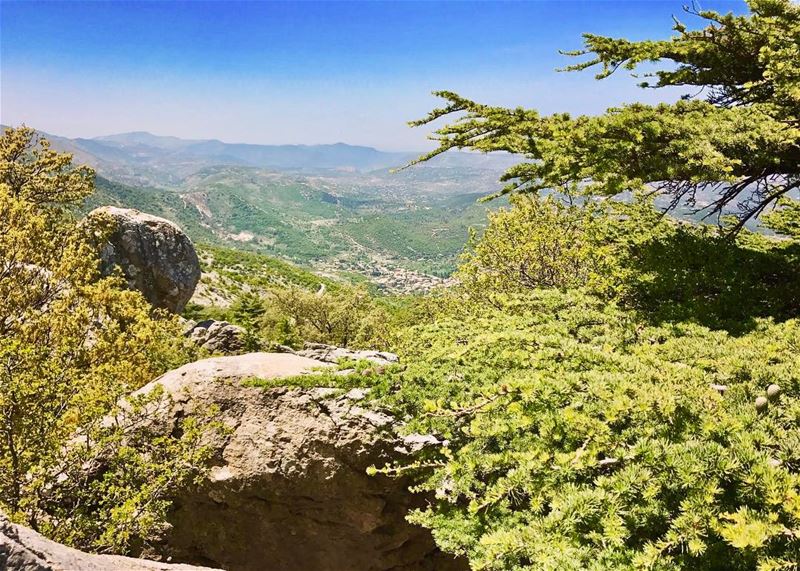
x: 217, y: 336
x: 155, y: 255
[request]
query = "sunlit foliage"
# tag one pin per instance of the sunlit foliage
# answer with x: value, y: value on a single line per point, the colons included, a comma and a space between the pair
x: 71, y: 345
x: 577, y: 437
x: 741, y: 143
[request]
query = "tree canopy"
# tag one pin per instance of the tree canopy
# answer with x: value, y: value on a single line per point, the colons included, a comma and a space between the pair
x: 72, y: 343
x: 736, y: 132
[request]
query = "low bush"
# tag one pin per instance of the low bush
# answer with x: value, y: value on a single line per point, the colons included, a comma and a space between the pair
x: 577, y: 437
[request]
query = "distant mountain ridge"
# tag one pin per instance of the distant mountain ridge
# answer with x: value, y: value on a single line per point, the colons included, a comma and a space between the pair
x: 142, y: 158
x: 146, y: 138
x: 336, y: 208
x: 282, y: 157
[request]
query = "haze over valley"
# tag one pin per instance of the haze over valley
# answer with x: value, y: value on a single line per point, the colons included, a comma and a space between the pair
x: 339, y: 209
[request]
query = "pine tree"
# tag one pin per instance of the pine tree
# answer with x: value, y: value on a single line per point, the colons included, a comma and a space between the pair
x: 741, y: 142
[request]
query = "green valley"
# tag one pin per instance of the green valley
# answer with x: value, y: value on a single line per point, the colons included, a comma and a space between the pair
x: 404, y: 231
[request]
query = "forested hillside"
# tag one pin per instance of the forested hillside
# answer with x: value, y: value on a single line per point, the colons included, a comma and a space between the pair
x: 338, y: 209
x: 404, y: 232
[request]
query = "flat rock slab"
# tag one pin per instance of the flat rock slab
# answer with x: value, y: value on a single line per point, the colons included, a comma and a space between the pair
x: 22, y: 549
x: 235, y: 367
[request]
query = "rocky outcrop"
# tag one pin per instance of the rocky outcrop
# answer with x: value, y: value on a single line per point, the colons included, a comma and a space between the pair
x: 217, y: 336
x: 155, y: 256
x: 289, y: 489
x: 22, y: 549
x: 332, y: 354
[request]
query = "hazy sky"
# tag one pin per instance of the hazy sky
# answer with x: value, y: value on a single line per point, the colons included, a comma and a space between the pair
x: 303, y: 72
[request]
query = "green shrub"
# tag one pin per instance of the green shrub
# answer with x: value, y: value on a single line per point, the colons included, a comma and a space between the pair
x: 539, y: 243
x: 346, y: 317
x: 72, y: 344
x: 580, y: 438
x: 666, y: 269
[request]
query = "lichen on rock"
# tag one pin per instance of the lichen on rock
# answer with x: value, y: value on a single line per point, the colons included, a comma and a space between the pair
x: 155, y: 256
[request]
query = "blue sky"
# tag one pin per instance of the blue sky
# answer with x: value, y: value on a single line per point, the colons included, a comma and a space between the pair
x: 303, y: 72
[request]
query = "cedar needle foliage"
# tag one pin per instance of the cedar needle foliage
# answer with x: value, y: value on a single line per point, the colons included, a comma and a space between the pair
x: 598, y: 381
x: 577, y: 437
x: 734, y: 138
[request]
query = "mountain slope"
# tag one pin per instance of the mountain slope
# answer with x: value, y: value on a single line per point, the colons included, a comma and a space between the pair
x: 315, y: 222
x: 144, y: 159
x: 346, y: 212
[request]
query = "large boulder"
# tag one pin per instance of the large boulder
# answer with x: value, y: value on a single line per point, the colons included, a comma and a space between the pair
x: 155, y: 256
x: 217, y: 336
x: 22, y: 549
x: 289, y: 488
